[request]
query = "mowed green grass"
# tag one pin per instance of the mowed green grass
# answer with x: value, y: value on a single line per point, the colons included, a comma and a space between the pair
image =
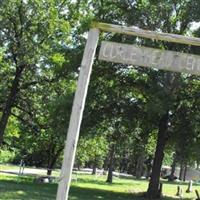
x: 88, y: 187
x: 8, y: 167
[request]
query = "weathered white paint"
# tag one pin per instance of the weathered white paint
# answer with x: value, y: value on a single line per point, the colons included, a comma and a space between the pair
x: 148, y: 34
x: 76, y: 115
x: 150, y: 57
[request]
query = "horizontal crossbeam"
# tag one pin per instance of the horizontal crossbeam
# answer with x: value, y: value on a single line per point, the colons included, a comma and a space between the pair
x: 148, y: 34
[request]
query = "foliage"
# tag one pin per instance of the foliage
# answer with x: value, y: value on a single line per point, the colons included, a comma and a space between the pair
x: 91, y: 150
x: 6, y: 156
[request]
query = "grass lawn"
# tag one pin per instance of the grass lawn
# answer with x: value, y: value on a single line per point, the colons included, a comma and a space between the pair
x: 87, y: 188
x: 8, y: 167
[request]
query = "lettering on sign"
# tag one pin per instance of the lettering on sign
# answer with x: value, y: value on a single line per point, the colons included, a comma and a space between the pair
x: 149, y: 57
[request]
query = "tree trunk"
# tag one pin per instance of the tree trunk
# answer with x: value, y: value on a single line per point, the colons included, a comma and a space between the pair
x: 106, y: 163
x: 153, y: 189
x: 134, y: 166
x: 123, y: 164
x: 148, y: 167
x: 197, y: 168
x: 49, y: 172
x: 173, y: 168
x: 10, y: 101
x: 50, y: 166
x: 181, y: 171
x: 111, y: 165
x: 110, y: 175
x: 140, y: 166
x: 185, y: 172
x: 52, y: 161
x: 94, y: 170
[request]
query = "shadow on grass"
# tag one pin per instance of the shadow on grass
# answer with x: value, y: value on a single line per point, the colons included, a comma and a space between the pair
x: 77, y: 193
x: 101, y: 182
x: 22, y: 190
x: 26, y: 190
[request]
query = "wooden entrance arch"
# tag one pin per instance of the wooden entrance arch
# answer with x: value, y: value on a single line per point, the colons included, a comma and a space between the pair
x: 127, y: 54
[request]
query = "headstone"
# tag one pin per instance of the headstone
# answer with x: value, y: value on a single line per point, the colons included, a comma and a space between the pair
x: 197, y: 193
x: 179, y: 192
x: 44, y: 179
x: 189, y: 189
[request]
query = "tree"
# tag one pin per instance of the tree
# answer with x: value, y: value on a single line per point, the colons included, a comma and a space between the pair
x: 28, y: 30
x: 92, y: 151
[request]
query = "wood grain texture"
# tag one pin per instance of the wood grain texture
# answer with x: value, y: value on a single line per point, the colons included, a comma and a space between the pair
x: 148, y: 34
x: 150, y: 57
x: 76, y: 115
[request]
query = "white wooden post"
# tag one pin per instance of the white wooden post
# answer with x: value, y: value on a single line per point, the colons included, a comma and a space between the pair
x: 76, y: 115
